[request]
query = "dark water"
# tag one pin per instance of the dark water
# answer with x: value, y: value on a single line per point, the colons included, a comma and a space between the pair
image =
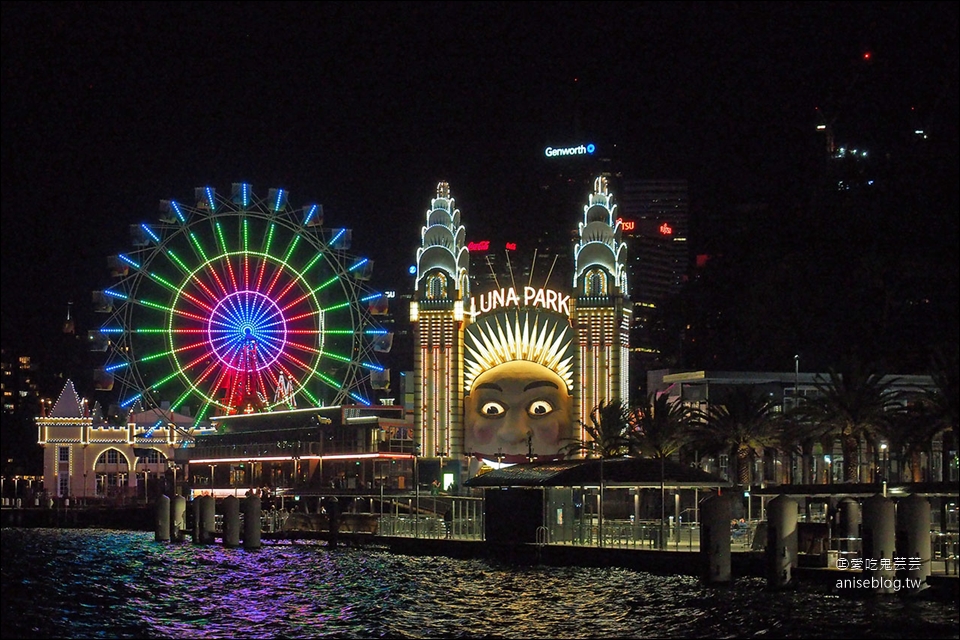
x: 118, y: 584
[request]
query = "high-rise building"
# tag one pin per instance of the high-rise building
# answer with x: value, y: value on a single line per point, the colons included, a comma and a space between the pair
x: 655, y: 215
x: 18, y: 383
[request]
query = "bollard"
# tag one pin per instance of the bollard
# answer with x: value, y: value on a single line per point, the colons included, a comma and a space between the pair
x: 878, y: 534
x: 163, y: 519
x: 848, y: 527
x: 231, y: 522
x: 195, y: 510
x: 178, y: 518
x: 913, y: 539
x: 781, y: 549
x: 251, y: 522
x: 208, y: 519
x: 715, y: 513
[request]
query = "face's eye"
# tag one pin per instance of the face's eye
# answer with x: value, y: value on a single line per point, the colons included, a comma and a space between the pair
x: 493, y: 409
x: 539, y: 408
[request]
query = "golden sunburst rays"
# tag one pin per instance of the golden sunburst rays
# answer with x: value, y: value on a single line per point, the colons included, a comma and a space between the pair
x: 507, y: 337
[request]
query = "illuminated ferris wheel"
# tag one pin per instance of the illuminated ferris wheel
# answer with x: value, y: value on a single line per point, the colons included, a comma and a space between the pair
x: 239, y: 305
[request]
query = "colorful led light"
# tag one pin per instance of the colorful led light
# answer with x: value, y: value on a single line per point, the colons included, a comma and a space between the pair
x: 232, y: 299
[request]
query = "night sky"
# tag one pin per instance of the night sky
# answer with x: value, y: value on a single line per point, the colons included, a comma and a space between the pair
x: 109, y: 108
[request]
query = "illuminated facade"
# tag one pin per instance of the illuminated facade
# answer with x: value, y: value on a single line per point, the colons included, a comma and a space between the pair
x: 468, y: 404
x: 85, y: 457
x: 601, y: 315
x: 437, y: 315
x: 656, y: 225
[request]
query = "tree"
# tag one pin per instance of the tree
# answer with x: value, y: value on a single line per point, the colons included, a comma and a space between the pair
x: 609, y: 430
x: 659, y: 428
x: 797, y: 439
x: 943, y: 402
x: 927, y: 416
x: 743, y: 422
x: 851, y: 406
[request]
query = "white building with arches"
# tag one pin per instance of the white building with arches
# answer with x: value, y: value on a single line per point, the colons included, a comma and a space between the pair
x: 85, y: 457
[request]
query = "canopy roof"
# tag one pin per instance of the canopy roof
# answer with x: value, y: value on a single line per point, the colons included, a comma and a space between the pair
x: 623, y: 472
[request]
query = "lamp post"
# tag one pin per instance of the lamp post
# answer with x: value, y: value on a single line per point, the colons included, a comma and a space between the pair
x: 600, y: 505
x: 416, y: 484
x: 883, y: 469
x: 380, y: 479
x: 796, y: 378
x: 173, y: 466
x: 663, y: 500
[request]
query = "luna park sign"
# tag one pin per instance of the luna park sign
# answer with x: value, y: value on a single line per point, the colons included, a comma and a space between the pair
x: 528, y: 297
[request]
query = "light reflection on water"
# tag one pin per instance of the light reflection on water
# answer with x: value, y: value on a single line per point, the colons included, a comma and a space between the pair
x: 117, y: 584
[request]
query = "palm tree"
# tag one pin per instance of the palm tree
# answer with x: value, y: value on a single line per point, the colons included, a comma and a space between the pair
x: 609, y: 430
x: 797, y: 439
x: 909, y: 433
x: 744, y: 422
x: 943, y: 402
x: 660, y: 428
x: 927, y: 416
x: 849, y: 406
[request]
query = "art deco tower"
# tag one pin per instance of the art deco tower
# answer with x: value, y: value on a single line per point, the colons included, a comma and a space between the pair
x: 436, y: 312
x: 601, y: 314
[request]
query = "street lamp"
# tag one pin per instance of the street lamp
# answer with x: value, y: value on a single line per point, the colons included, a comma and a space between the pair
x: 416, y: 483
x: 173, y: 466
x: 883, y: 461
x: 796, y: 377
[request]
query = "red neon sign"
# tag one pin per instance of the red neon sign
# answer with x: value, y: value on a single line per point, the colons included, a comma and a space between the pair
x: 511, y: 246
x: 483, y: 245
x: 666, y: 229
x: 627, y: 225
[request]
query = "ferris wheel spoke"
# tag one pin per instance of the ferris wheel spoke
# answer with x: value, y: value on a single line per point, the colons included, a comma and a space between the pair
x: 263, y: 314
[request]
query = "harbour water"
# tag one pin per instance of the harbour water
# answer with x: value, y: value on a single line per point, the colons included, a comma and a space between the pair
x: 100, y: 583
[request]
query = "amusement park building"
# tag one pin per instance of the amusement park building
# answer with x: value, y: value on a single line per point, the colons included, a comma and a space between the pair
x: 575, y: 336
x: 86, y: 457
x: 469, y: 401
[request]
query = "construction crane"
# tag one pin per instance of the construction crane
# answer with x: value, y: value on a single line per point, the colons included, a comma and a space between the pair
x: 824, y: 121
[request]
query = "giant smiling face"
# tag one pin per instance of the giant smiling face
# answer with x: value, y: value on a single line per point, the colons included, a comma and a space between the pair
x: 512, y: 402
